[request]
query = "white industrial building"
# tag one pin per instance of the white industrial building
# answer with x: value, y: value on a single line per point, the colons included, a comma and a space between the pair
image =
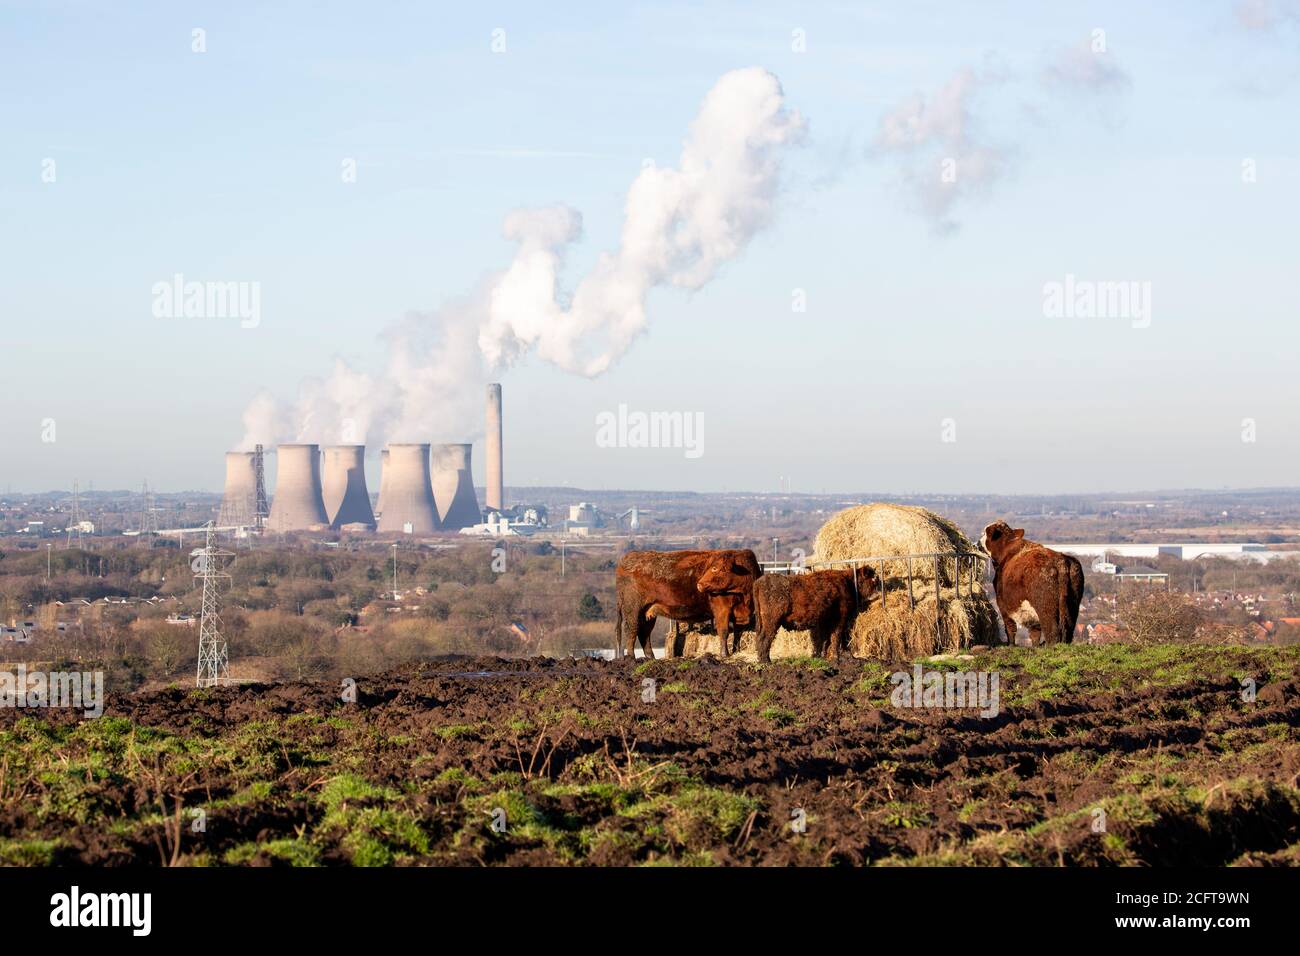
x: 1185, y: 551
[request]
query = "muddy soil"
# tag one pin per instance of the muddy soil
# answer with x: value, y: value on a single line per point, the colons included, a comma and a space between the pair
x: 488, y: 761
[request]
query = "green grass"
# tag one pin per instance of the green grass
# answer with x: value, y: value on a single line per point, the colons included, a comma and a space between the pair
x: 1045, y: 673
x: 369, y: 822
x: 456, y: 730
x: 781, y: 716
x: 295, y: 852
x: 27, y: 852
x: 807, y: 663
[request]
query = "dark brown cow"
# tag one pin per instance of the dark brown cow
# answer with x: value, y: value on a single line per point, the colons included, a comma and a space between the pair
x: 823, y: 602
x: 653, y: 584
x: 1036, y: 588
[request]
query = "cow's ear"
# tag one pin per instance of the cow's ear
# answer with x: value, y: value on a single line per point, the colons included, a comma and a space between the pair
x: 1017, y: 534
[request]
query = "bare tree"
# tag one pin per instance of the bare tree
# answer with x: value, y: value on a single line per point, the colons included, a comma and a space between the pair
x: 1160, y: 617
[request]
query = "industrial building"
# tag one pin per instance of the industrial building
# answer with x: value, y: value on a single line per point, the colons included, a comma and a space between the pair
x: 423, y: 488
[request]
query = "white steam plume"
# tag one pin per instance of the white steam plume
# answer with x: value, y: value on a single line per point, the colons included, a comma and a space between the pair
x: 681, y: 225
x: 943, y: 156
x: 941, y: 142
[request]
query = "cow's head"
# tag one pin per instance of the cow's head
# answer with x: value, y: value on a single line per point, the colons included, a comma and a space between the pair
x: 867, y: 582
x: 725, y: 575
x: 1000, y: 539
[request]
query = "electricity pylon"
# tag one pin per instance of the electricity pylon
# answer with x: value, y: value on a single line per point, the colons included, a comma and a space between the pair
x: 260, y: 507
x: 213, y: 659
x: 74, y: 526
x: 148, y: 516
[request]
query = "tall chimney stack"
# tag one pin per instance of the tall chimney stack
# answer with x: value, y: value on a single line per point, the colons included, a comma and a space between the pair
x: 453, y: 487
x: 407, y: 490
x: 383, y: 481
x: 298, y: 503
x: 239, y: 501
x: 495, y: 488
x: 344, y: 486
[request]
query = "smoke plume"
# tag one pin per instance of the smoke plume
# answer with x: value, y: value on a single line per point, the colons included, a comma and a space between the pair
x: 680, y: 226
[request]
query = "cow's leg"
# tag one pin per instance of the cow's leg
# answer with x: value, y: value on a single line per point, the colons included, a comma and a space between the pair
x: 763, y: 636
x: 840, y: 643
x: 722, y: 624
x: 1069, y: 617
x: 644, y: 628
x: 631, y: 612
x: 1047, y: 628
x: 674, y: 641
x: 1010, y: 627
x: 618, y: 630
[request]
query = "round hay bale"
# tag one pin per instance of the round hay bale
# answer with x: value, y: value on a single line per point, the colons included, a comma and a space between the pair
x: 886, y: 529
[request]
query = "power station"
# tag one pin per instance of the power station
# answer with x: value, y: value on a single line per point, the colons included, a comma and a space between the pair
x: 423, y: 488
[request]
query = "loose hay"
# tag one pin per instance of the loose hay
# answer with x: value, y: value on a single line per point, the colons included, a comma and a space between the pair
x: 898, y: 631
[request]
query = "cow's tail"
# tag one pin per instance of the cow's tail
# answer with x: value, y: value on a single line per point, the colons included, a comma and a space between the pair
x: 1067, y: 609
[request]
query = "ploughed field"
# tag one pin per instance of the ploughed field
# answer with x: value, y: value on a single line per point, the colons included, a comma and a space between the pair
x: 1098, y: 756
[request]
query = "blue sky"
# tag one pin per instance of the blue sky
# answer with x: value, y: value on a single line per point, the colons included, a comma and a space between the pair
x: 225, y: 166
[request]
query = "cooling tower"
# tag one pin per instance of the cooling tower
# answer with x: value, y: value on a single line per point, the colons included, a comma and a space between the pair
x: 298, y: 504
x: 383, y: 481
x: 239, y: 501
x: 344, y: 486
x: 493, y: 442
x: 453, y: 487
x: 407, y: 491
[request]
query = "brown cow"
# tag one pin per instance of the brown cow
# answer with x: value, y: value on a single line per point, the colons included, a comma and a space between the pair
x: 1036, y: 588
x: 823, y: 602
x: 652, y: 584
